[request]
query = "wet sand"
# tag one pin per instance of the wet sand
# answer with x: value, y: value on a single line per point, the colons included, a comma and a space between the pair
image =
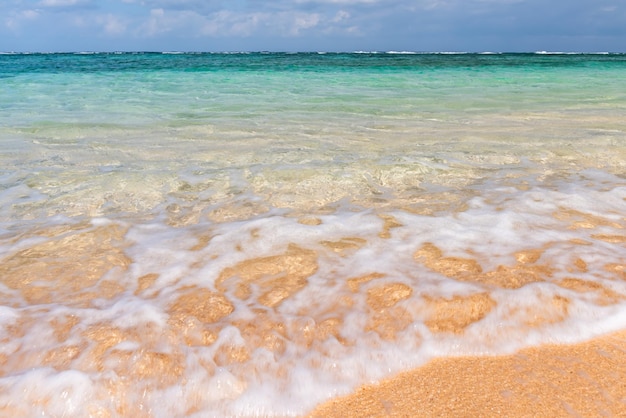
x: 583, y: 380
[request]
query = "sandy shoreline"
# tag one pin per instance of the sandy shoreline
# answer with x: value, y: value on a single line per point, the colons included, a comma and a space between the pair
x: 585, y: 380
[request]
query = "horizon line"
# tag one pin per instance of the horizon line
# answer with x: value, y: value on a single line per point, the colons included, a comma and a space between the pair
x: 389, y: 52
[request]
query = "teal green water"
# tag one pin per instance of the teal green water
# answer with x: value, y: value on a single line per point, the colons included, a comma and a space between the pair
x: 150, y: 88
x: 252, y: 234
x: 317, y: 111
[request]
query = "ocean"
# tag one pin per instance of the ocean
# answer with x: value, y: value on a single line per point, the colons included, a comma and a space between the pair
x: 252, y: 234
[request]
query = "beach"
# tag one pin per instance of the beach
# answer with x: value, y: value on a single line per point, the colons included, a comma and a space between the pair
x: 548, y: 381
x: 274, y: 234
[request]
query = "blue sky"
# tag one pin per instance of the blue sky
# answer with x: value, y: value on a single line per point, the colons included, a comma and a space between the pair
x: 312, y: 25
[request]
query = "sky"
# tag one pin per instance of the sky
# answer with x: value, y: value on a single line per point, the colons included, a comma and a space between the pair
x: 313, y: 25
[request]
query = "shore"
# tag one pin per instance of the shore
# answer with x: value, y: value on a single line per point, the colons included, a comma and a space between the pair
x: 581, y: 380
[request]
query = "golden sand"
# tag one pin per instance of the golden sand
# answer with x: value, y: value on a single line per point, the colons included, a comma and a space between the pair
x: 583, y: 380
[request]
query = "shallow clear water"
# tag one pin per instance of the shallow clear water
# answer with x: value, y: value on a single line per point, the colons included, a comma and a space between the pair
x: 193, y: 234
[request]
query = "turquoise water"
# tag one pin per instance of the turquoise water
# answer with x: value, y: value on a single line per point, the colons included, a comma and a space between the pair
x: 255, y: 233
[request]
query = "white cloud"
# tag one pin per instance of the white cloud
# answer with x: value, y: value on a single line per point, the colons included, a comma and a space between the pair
x: 340, y: 16
x: 227, y: 23
x: 59, y: 3
x: 188, y: 5
x: 155, y: 24
x: 243, y: 25
x: 501, y: 1
x: 342, y: 2
x: 161, y: 21
x: 30, y: 14
x: 303, y: 21
x: 112, y: 25
x: 15, y: 21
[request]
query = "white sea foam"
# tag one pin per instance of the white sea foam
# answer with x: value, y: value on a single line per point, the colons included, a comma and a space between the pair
x: 298, y: 376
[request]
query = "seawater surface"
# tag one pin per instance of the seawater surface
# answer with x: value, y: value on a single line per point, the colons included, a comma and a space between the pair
x: 253, y: 234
